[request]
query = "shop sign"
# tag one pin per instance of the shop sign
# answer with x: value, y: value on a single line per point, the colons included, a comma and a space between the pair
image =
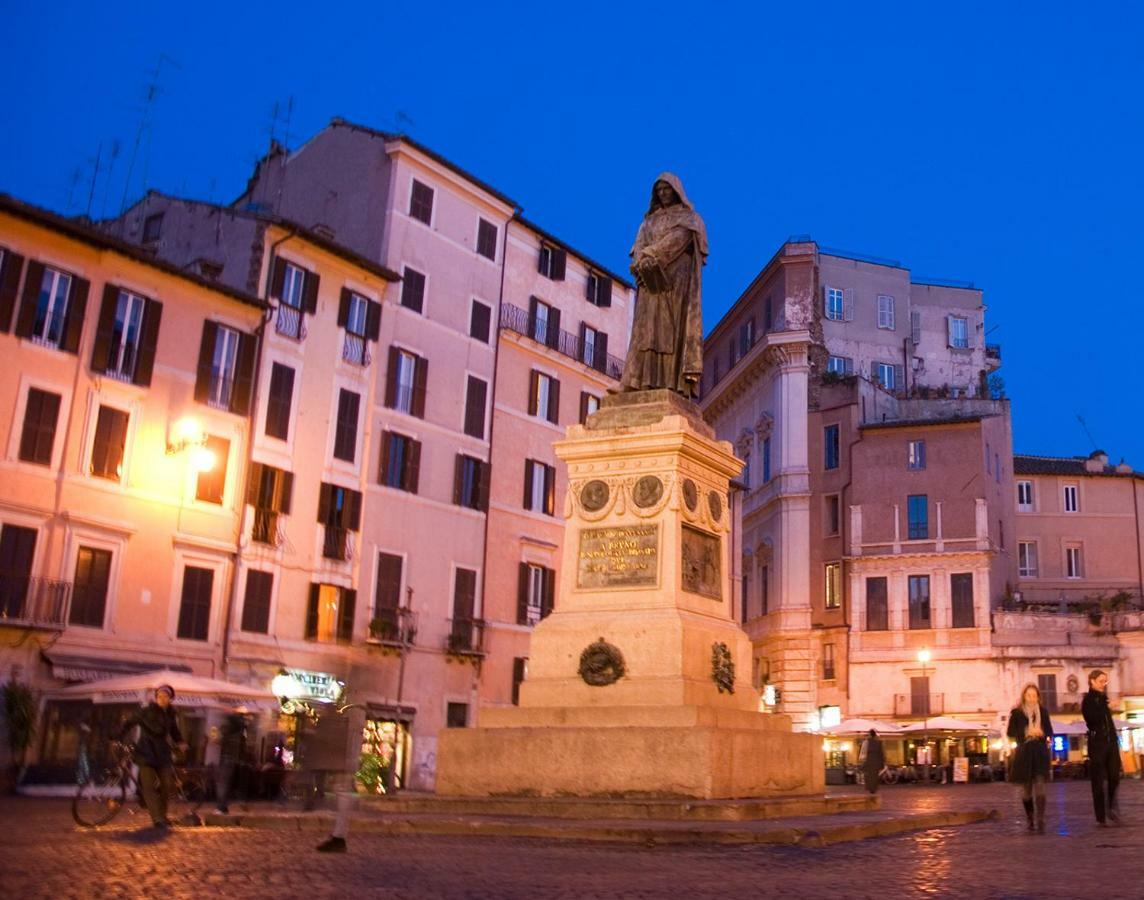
x: 302, y: 684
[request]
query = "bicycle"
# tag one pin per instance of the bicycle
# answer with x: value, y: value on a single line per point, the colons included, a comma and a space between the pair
x: 104, y: 793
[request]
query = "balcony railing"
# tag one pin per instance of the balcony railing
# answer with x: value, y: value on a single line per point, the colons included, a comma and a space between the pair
x: 355, y: 350
x: 513, y: 318
x: 265, y: 527
x: 393, y: 626
x: 918, y: 706
x: 466, y: 637
x: 288, y: 321
x: 33, y: 602
x: 336, y: 544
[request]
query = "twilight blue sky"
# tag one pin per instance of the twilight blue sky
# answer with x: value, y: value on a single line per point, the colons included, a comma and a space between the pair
x: 999, y: 143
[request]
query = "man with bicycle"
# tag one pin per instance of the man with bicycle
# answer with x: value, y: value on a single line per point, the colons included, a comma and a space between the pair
x: 158, y: 735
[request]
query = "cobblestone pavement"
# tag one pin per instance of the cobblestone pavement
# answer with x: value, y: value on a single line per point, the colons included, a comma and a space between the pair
x: 42, y: 854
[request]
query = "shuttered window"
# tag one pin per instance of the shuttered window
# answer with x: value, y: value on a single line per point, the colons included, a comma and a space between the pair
x: 471, y: 482
x: 400, y: 463
x: 421, y: 202
x: 552, y: 262
x: 487, y: 239
x: 407, y: 382
x: 256, y: 602
x: 475, y: 394
x: 195, y: 604
x: 599, y: 289
x: 961, y: 597
x: 89, y: 589
x: 877, y: 610
x: 212, y: 482
x: 17, y: 551
x: 536, y: 593
x: 226, y: 368
x: 413, y: 290
x: 544, y: 397
x: 539, y: 487
x: 346, y: 425
x: 278, y: 402
x: 126, y: 335
x: 388, y: 595
x: 109, y: 444
x: 41, y: 415
x: 480, y: 317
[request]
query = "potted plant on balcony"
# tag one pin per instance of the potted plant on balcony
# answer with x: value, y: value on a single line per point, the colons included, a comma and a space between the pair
x: 382, y: 629
x: 20, y: 725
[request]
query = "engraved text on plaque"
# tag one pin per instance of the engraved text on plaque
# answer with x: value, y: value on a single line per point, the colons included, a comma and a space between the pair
x: 624, y: 556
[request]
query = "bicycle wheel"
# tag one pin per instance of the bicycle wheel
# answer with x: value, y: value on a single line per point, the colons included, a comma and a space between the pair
x: 99, y: 800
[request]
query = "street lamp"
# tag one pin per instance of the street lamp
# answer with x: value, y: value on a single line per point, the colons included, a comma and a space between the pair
x: 924, y: 658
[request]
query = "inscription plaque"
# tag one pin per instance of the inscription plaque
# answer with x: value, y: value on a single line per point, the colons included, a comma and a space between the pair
x: 624, y: 556
x: 702, y: 572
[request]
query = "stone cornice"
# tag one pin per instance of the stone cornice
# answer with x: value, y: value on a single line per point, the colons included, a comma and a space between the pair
x: 777, y: 350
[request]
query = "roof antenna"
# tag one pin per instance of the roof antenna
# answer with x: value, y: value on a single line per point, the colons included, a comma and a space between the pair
x: 1088, y: 434
x: 153, y: 91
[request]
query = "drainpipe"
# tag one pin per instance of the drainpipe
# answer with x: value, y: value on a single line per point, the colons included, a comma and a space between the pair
x: 494, y: 336
x: 843, y: 525
x: 243, y: 515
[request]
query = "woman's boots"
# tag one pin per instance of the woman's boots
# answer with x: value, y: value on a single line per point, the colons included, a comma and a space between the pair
x: 1041, y: 814
x: 1028, y: 803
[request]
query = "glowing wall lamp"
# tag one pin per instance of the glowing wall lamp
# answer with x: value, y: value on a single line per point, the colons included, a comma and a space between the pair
x: 188, y: 435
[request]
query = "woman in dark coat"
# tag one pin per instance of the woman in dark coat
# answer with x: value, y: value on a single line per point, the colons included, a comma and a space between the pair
x: 873, y: 761
x: 1032, y: 729
x: 1103, y: 748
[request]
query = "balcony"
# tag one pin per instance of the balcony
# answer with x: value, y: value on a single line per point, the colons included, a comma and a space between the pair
x: 355, y: 350
x: 265, y: 528
x: 393, y: 627
x: 919, y: 706
x: 337, y: 543
x: 513, y: 318
x: 288, y: 321
x: 993, y: 356
x: 31, y: 602
x: 466, y: 638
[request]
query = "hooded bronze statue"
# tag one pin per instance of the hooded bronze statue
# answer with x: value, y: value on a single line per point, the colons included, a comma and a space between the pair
x: 666, y: 349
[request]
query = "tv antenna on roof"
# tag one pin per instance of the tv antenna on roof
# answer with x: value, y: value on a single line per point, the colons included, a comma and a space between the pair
x: 152, y: 92
x: 1088, y: 433
x: 283, y: 115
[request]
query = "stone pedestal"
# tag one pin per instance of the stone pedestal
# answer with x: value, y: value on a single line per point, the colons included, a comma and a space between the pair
x: 639, y: 681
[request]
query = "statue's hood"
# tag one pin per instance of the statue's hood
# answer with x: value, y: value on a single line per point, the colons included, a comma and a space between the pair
x: 672, y: 179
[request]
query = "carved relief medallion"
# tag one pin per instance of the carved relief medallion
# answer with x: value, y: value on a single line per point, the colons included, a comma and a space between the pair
x: 715, y: 504
x: 690, y: 494
x: 594, y: 495
x: 647, y: 491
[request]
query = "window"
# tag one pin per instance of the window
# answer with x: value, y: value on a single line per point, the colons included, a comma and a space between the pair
x: 840, y: 365
x: 464, y: 632
x: 919, y: 696
x: 917, y: 508
x: 552, y: 262
x: 961, y: 598
x: 152, y: 228
x: 486, y: 239
x: 959, y: 332
x: 1072, y: 498
x: 877, y: 607
x: 475, y: 394
x: 832, y: 450
x: 330, y: 613
x: 834, y: 304
x: 296, y: 290
x: 1027, y: 559
x: 293, y: 285
x: 827, y: 662
x: 406, y: 383
x: 345, y: 429
x: 833, y: 585
x: 919, y: 601
x: 599, y: 289
x: 1047, y: 685
x: 270, y: 491
x: 17, y: 552
x: 746, y: 336
x: 764, y: 589
x: 539, y: 487
x: 126, y: 336
x: 339, y: 510
x: 226, y: 368
x: 11, y: 268
x: 278, y: 401
x: 400, y: 462
x: 387, y: 597
x: 589, y: 403
x: 886, y: 375
x: 766, y: 460
x: 41, y: 414
x: 413, y: 290
x: 195, y: 605
x: 1024, y: 496
x: 89, y: 590
x: 544, y: 397
x: 535, y: 594
x: 543, y: 323
x: 421, y: 202
x: 456, y: 715
x: 211, y: 482
x: 519, y: 676
x: 1073, y: 568
x: 361, y: 318
x: 110, y: 441
x: 833, y: 514
x: 471, y: 483
x: 593, y: 348
x: 51, y: 308
x: 479, y: 318
x: 885, y: 312
x: 915, y: 326
x: 256, y: 603
x: 916, y: 455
